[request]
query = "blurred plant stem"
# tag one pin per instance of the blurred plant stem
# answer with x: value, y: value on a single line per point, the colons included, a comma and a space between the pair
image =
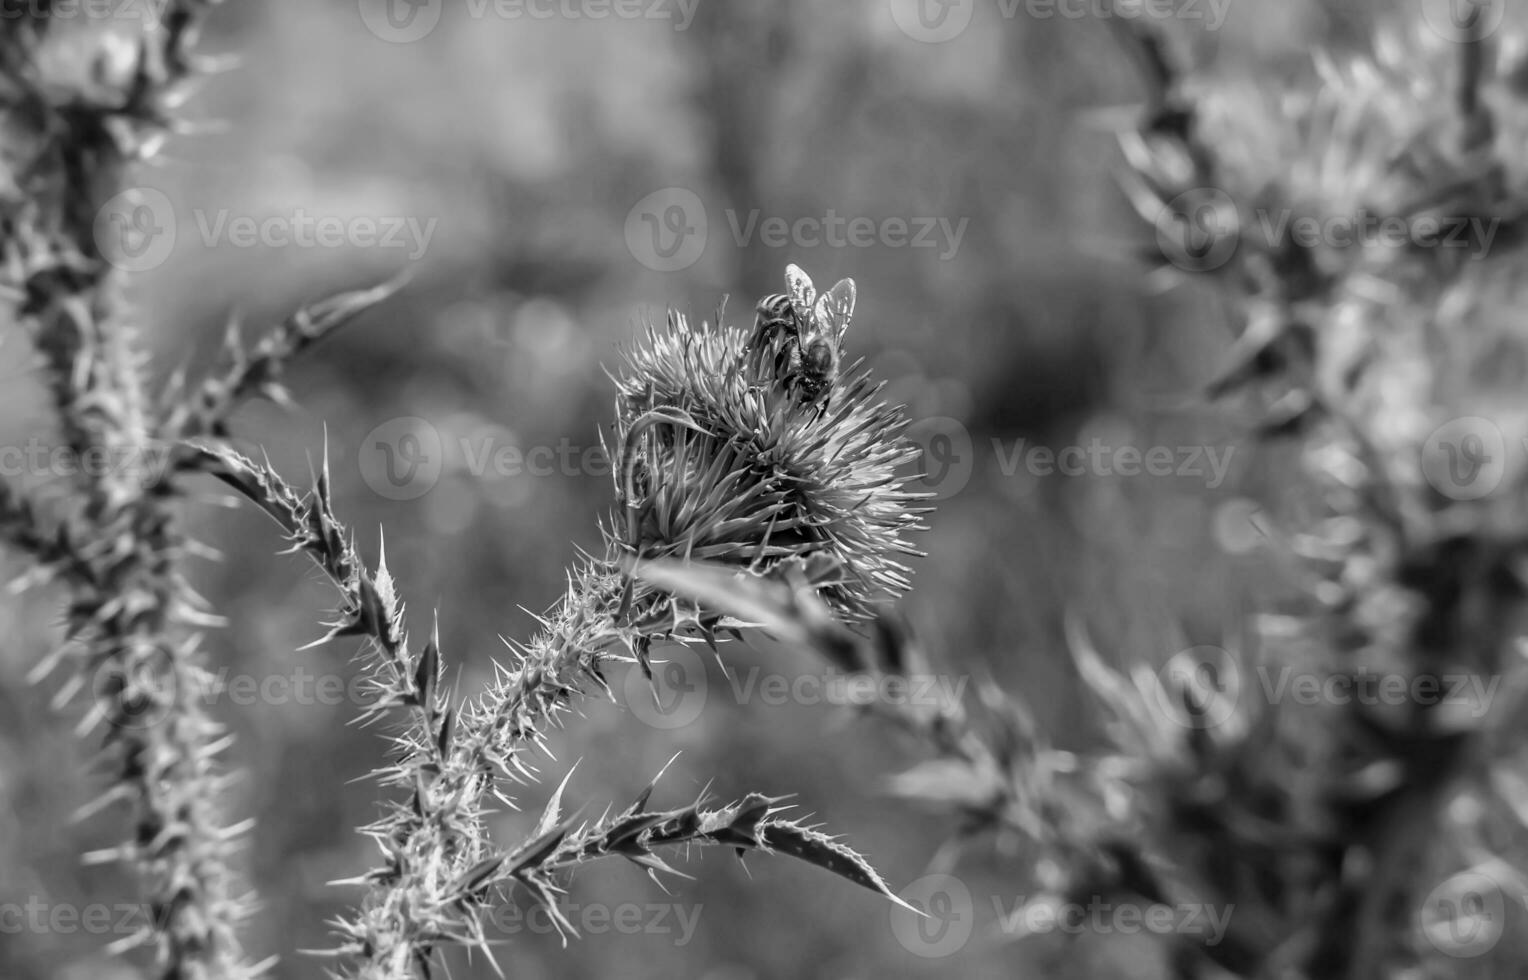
x: 83, y: 100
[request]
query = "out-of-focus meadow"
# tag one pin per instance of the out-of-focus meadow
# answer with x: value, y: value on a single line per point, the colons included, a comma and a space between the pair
x: 550, y: 182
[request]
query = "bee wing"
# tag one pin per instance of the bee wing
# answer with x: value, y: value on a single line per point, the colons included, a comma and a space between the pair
x: 798, y: 285
x: 834, y: 309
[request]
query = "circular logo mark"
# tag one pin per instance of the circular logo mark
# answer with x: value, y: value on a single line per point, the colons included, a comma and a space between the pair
x: 932, y: 21
x: 948, y: 918
x: 677, y: 693
x: 1465, y: 459
x: 400, y: 21
x: 141, y: 694
x: 1199, y: 687
x: 666, y: 230
x: 946, y: 456
x: 135, y: 230
x: 1198, y: 230
x: 402, y: 458
x: 1464, y: 20
x: 1465, y: 915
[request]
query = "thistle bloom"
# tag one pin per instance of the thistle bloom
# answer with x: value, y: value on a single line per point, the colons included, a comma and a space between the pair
x: 736, y: 468
x: 722, y: 457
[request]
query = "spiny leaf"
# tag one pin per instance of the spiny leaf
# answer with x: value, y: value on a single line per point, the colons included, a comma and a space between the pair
x: 553, y: 811
x: 817, y: 848
x: 427, y: 672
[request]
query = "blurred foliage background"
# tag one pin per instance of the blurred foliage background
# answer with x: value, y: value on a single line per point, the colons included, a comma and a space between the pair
x: 528, y: 142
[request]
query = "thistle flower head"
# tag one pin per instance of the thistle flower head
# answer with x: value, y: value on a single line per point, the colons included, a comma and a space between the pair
x: 723, y: 459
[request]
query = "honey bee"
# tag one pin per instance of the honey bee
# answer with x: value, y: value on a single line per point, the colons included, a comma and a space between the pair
x: 774, y: 336
x: 806, y: 331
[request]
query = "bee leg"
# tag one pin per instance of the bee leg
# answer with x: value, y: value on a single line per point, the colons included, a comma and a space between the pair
x: 822, y: 405
x: 625, y: 606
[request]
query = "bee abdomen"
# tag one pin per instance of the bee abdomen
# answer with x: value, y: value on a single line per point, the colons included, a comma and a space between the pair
x: 774, y: 332
x: 774, y: 311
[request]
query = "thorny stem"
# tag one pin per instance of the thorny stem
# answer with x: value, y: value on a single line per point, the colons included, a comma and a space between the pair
x: 696, y: 405
x: 120, y: 552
